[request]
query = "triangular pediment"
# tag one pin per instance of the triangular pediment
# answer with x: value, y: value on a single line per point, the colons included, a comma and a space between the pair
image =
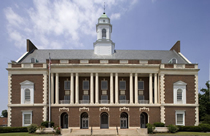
x: 26, y: 82
x: 180, y: 83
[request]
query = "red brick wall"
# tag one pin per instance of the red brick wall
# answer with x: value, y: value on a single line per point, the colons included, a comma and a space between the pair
x: 189, y: 115
x: 190, y: 88
x: 16, y: 115
x: 16, y: 87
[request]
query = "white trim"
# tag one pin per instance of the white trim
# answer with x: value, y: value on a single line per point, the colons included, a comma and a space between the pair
x: 27, y: 85
x: 9, y: 88
x: 26, y: 112
x: 9, y: 117
x: 21, y: 57
x: 44, y: 88
x: 180, y: 112
x: 162, y: 88
x: 196, y: 116
x: 184, y: 57
x: 196, y: 89
x: 177, y: 86
x: 162, y: 114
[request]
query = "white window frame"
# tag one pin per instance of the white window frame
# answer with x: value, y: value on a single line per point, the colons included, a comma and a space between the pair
x: 27, y: 85
x: 183, y: 113
x: 138, y: 85
x: 23, y: 116
x: 176, y: 86
x: 69, y: 85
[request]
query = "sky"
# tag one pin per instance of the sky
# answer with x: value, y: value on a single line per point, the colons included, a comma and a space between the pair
x: 136, y: 25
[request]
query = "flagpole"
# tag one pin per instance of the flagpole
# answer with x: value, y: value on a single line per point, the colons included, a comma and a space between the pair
x: 49, y: 89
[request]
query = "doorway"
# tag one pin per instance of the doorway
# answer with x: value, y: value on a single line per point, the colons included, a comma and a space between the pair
x: 64, y: 120
x: 104, y: 120
x: 84, y: 120
x: 124, y: 120
x: 143, y: 120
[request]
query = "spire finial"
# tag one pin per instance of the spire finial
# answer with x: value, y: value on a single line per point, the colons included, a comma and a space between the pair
x: 104, y: 7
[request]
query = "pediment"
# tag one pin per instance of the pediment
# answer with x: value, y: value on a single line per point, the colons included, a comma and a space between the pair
x: 180, y: 83
x: 26, y: 82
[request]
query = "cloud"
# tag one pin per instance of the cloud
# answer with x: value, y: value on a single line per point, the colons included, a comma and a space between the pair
x: 59, y: 24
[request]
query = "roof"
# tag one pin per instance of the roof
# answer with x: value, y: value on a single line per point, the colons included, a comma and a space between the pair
x: 164, y: 55
x: 104, y: 15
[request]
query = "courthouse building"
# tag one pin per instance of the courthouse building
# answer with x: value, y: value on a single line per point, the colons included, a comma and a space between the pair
x: 103, y: 87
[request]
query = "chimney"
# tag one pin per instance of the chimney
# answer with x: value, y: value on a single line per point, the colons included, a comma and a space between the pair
x: 30, y: 46
x: 176, y: 47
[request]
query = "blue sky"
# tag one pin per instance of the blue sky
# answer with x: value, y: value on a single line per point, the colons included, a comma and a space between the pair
x: 137, y: 25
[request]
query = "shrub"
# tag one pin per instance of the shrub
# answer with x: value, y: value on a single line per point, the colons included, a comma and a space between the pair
x: 45, y: 124
x: 172, y: 128
x: 206, y: 119
x: 205, y: 127
x: 150, y: 128
x: 57, y: 130
x: 190, y: 128
x: 159, y: 124
x: 32, y: 128
x: 13, y: 129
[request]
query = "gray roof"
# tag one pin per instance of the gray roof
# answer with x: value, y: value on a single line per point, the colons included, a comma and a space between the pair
x: 164, y: 55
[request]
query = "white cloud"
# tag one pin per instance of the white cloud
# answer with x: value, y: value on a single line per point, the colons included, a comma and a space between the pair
x: 59, y: 24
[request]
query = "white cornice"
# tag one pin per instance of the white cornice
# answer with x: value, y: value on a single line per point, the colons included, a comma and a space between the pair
x: 180, y: 105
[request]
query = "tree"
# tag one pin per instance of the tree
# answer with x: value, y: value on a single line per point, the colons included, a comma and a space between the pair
x: 4, y: 113
x: 204, y: 101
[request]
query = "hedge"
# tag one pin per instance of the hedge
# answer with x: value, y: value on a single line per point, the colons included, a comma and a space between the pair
x: 200, y: 128
x: 159, y: 124
x: 13, y: 129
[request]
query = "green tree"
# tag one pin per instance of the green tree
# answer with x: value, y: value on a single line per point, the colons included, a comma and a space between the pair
x: 4, y: 113
x: 204, y: 101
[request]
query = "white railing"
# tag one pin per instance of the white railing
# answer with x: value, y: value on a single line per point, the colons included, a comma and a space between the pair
x: 143, y: 101
x: 64, y: 101
x: 123, y: 101
x: 104, y: 101
x: 84, y: 101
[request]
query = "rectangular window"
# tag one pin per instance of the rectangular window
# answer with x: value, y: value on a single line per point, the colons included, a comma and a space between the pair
x: 104, y: 97
x: 27, y: 96
x: 66, y: 97
x: 67, y: 85
x: 140, y: 85
x: 122, y: 97
x: 179, y: 119
x: 27, y: 119
x: 85, y: 85
x: 85, y: 97
x: 104, y: 85
x: 179, y: 95
x: 122, y: 85
x: 141, y: 97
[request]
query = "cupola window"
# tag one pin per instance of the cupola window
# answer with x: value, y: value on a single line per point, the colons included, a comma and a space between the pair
x: 103, y: 33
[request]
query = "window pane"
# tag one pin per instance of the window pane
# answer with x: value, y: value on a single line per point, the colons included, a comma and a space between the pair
x: 122, y: 97
x: 85, y: 97
x: 66, y: 97
x: 141, y: 97
x: 179, y: 118
x: 104, y: 85
x: 122, y: 85
x: 27, y: 95
x: 66, y: 85
x: 103, y: 33
x: 141, y: 85
x: 85, y: 85
x: 179, y: 95
x: 27, y: 118
x: 104, y: 97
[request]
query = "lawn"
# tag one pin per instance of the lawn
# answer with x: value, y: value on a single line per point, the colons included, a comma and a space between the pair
x: 185, y: 133
x: 24, y: 134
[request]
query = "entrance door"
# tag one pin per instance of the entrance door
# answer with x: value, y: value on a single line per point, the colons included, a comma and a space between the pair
x: 104, y: 120
x: 84, y: 120
x: 143, y: 120
x: 124, y: 120
x: 64, y: 120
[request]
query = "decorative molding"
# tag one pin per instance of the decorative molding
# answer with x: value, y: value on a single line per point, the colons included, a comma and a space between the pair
x: 9, y: 117
x: 45, y: 88
x: 104, y: 108
x: 83, y: 108
x: 44, y: 113
x: 64, y: 109
x: 196, y: 116
x: 162, y: 114
x: 196, y: 89
x: 9, y: 89
x: 144, y: 108
x: 124, y: 108
x: 162, y: 88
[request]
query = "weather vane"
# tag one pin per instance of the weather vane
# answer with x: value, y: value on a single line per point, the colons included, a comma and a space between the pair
x: 104, y: 7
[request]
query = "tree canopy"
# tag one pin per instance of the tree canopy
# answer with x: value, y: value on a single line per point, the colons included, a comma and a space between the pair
x: 4, y: 113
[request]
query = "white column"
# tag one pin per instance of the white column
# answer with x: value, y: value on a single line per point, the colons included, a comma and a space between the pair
x: 150, y: 88
x: 111, y: 88
x: 77, y: 88
x: 155, y: 88
x: 72, y: 88
x: 136, y: 88
x: 116, y: 88
x: 131, y: 88
x: 96, y: 89
x: 91, y: 88
x: 57, y: 88
x: 52, y: 88
x: 158, y: 89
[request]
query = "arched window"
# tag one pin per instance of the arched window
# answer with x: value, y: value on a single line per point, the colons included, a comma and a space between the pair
x: 103, y: 33
x: 179, y: 95
x: 27, y: 95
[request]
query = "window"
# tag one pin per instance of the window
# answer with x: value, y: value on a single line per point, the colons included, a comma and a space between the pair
x: 104, y: 85
x: 103, y: 33
x: 122, y: 97
x: 180, y: 118
x: 85, y: 97
x: 173, y: 61
x: 27, y: 96
x: 27, y: 92
x: 26, y: 118
x: 104, y: 97
x: 141, y: 97
x: 67, y: 85
x: 179, y: 92
x: 86, y: 85
x: 122, y: 85
x: 141, y: 85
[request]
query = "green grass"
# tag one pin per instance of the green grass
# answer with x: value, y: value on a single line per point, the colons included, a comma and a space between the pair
x: 185, y: 133
x: 24, y: 134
